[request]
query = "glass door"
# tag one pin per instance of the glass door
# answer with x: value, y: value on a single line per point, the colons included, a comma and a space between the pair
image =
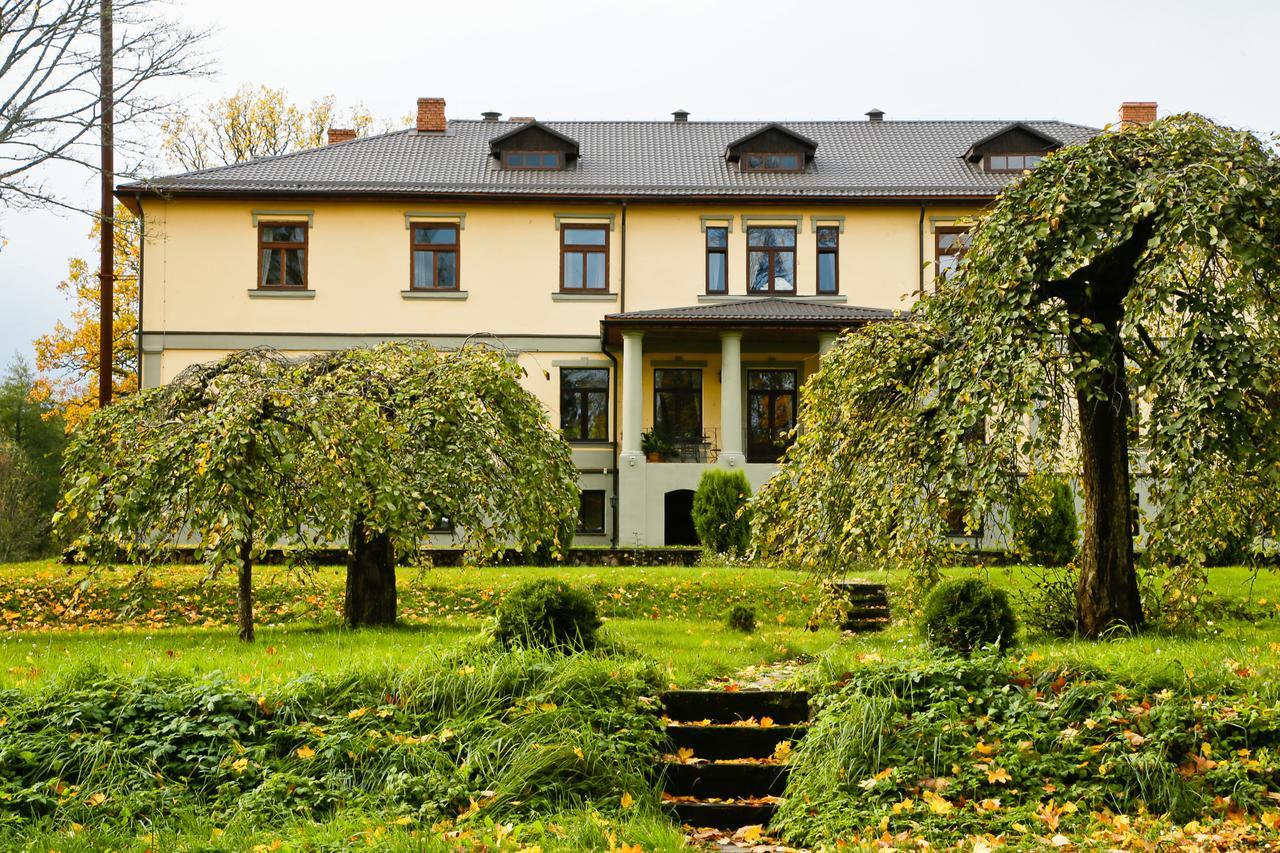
x: 771, y: 413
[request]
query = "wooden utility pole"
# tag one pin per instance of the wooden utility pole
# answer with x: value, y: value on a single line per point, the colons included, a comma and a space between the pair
x: 106, y: 274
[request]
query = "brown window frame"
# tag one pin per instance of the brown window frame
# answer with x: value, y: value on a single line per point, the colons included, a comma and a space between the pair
x: 722, y: 251
x: 938, y: 254
x: 559, y: 166
x: 565, y: 228
x: 744, y: 167
x: 580, y: 432
x: 773, y: 251
x: 304, y: 246
x: 826, y: 250
x: 454, y: 247
x: 1006, y: 170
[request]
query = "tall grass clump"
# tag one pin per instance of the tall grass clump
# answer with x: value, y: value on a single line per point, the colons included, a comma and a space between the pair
x: 478, y: 731
x: 946, y: 748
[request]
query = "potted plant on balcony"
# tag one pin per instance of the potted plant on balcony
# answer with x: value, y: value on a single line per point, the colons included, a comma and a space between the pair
x: 655, y: 446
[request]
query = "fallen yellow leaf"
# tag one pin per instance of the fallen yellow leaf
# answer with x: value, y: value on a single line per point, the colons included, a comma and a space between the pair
x: 627, y: 800
x: 306, y: 753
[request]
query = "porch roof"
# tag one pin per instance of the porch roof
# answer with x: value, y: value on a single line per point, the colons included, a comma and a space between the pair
x: 780, y: 313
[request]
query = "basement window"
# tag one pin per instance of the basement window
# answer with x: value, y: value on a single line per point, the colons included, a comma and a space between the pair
x: 591, y: 512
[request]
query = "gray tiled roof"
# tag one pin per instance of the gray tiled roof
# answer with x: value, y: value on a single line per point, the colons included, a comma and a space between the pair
x: 761, y: 310
x: 632, y: 158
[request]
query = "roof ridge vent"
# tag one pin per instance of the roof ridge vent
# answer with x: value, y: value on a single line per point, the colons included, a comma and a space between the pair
x: 874, y: 114
x: 680, y: 116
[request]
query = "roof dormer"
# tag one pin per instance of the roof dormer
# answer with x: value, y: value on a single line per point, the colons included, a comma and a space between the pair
x: 1012, y: 148
x: 772, y: 148
x: 534, y: 146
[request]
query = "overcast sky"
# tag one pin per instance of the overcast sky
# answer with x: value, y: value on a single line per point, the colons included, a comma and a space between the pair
x: 744, y: 59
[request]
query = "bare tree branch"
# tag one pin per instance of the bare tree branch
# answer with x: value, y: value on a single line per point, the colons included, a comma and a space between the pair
x: 49, y: 110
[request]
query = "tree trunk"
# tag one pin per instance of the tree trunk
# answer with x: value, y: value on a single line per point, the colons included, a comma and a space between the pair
x: 371, y: 577
x: 244, y: 595
x: 1107, y: 594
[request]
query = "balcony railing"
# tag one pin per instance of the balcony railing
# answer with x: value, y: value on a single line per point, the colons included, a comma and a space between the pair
x: 704, y: 449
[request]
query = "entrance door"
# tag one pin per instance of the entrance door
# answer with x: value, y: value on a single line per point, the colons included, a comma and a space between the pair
x: 771, y: 413
x: 678, y: 518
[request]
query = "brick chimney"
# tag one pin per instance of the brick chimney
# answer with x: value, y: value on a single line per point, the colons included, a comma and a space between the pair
x: 341, y: 134
x: 1137, y: 112
x: 431, y: 115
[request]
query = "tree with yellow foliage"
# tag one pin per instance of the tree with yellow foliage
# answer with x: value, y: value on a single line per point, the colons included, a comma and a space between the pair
x: 252, y: 123
x: 67, y: 357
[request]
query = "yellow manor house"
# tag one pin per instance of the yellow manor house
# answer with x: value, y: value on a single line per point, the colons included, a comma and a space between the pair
x: 667, y: 285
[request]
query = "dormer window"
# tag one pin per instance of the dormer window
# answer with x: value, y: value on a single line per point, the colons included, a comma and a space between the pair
x: 1013, y: 162
x: 533, y: 147
x: 532, y: 160
x: 771, y: 162
x: 772, y: 148
x: 1012, y: 149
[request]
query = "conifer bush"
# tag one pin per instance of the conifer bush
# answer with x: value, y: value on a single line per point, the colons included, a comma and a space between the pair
x: 968, y: 614
x: 742, y: 618
x: 548, y: 614
x: 717, y: 519
x: 1043, y: 520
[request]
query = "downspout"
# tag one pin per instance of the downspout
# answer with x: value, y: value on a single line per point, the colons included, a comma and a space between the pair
x: 142, y: 250
x: 617, y: 376
x: 920, y: 234
x: 613, y: 536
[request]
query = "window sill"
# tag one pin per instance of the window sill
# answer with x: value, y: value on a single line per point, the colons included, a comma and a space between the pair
x: 560, y: 296
x: 280, y: 293
x: 433, y: 294
x: 825, y: 299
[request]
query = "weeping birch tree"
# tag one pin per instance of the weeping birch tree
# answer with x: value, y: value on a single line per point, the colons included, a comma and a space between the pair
x: 1136, y: 272
x: 209, y: 460
x: 368, y: 447
x: 413, y: 437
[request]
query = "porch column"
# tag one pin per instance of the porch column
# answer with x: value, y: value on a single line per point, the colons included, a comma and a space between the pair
x: 633, y: 487
x: 731, y: 455
x: 826, y: 340
x: 632, y: 393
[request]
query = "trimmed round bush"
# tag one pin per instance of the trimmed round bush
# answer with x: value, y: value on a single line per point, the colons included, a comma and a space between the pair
x: 716, y: 519
x: 547, y: 614
x: 742, y: 618
x: 968, y: 614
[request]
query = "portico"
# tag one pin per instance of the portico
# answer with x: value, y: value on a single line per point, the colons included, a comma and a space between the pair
x: 715, y: 385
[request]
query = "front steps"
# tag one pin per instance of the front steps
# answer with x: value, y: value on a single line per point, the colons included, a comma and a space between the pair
x: 724, y: 771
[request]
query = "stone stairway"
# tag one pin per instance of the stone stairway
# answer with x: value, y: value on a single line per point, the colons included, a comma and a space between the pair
x: 868, y: 606
x: 714, y: 735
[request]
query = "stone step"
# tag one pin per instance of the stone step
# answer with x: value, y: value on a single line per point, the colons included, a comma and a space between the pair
x: 724, y: 815
x: 724, y: 781
x: 722, y: 706
x: 714, y: 742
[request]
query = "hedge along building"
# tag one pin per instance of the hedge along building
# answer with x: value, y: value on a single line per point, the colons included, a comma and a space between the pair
x: 667, y: 286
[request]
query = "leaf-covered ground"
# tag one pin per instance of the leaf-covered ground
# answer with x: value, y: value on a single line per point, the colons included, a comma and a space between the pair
x: 1150, y: 742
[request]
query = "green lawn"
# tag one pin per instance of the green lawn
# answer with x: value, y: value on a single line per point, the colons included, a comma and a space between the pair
x: 171, y: 623
x: 674, y: 615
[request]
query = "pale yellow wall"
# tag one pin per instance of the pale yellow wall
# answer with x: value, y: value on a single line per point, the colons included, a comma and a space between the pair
x: 201, y: 259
